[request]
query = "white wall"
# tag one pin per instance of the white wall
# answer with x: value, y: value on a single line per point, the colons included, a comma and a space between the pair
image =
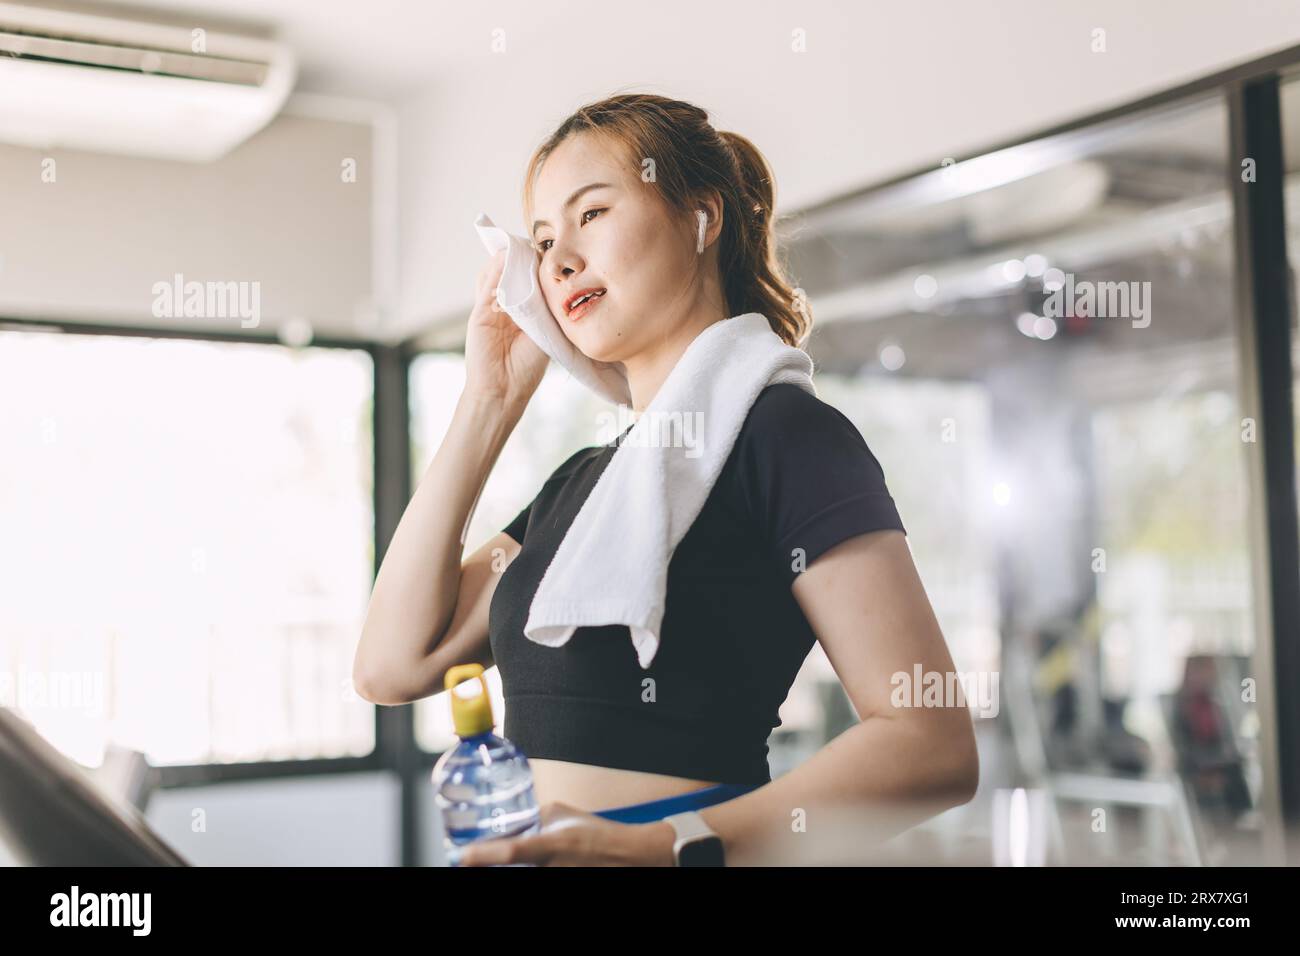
x: 90, y: 245
x: 343, y: 820
x: 882, y: 89
x: 349, y: 819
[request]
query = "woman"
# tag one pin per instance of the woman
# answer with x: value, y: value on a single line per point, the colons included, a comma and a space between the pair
x: 638, y: 199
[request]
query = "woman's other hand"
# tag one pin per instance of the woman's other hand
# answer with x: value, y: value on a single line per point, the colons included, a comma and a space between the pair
x: 573, y: 837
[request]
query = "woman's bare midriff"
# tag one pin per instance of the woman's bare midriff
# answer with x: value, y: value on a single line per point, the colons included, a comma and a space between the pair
x: 589, y: 787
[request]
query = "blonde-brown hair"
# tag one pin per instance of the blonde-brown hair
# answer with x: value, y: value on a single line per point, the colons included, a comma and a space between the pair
x: 691, y: 158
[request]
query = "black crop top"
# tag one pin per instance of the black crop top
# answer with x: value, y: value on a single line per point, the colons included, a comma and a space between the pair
x: 800, y: 476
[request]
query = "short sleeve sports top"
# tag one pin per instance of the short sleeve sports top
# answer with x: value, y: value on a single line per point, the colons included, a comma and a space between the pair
x: 799, y: 480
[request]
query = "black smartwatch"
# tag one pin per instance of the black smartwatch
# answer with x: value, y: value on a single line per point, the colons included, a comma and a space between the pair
x: 697, y: 844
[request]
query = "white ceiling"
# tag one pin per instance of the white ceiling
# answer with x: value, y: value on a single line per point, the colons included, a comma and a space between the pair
x: 386, y: 49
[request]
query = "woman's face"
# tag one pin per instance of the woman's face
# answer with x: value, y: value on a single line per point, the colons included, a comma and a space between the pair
x: 617, y: 237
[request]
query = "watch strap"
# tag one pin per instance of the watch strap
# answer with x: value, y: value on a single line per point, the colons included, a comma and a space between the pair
x: 689, y: 827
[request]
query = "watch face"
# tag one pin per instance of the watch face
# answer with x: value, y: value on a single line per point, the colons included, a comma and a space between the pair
x: 706, y: 851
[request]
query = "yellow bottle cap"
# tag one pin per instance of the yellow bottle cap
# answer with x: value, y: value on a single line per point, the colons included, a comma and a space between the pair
x: 471, y: 708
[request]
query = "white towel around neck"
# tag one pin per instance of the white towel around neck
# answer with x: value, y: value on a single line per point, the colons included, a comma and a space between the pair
x: 612, y: 565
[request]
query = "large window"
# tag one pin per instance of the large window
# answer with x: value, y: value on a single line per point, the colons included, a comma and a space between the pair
x: 186, y: 545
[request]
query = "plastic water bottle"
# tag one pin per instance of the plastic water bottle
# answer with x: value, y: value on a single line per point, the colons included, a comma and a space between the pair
x: 483, y: 786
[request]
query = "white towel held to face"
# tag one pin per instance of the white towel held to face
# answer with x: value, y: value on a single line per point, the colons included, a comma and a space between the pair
x: 520, y: 295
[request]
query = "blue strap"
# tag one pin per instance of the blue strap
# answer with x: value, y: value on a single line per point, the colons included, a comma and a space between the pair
x: 653, y: 810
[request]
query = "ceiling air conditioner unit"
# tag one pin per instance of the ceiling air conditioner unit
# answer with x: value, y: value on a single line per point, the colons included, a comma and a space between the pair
x: 124, y: 85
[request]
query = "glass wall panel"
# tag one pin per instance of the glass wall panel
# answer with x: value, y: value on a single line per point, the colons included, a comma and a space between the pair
x: 1082, y: 288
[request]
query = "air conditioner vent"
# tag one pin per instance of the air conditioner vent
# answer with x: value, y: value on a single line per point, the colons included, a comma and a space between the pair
x: 120, y: 85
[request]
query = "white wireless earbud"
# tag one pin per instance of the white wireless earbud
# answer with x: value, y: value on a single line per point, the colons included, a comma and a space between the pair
x: 704, y: 221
